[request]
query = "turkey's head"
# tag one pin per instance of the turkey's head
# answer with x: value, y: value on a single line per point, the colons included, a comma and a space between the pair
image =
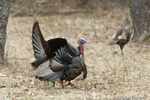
x: 81, y: 42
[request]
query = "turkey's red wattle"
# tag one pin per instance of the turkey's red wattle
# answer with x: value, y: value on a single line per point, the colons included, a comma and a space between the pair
x: 81, y: 48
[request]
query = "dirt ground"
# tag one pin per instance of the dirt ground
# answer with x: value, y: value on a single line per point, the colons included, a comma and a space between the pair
x: 110, y: 75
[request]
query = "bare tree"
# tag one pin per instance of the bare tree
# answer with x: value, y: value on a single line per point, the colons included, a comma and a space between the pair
x: 4, y: 13
x: 140, y: 14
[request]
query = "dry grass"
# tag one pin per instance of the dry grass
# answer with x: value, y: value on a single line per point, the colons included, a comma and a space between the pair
x: 110, y: 76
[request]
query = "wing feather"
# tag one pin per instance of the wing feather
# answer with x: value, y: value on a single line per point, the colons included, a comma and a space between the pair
x: 64, y: 55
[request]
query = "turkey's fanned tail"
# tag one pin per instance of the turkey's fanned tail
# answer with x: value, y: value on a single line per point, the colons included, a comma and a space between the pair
x: 40, y: 46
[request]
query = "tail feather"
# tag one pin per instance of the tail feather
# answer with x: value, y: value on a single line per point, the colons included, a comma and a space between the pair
x: 45, y: 73
x: 39, y: 44
x: 52, y: 77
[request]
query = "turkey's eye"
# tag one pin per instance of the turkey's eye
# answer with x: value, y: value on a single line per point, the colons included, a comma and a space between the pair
x: 82, y: 40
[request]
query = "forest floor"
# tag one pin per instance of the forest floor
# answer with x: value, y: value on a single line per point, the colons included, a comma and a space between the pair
x: 110, y: 75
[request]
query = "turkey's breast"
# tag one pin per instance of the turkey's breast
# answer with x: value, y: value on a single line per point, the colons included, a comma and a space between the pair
x: 73, y: 70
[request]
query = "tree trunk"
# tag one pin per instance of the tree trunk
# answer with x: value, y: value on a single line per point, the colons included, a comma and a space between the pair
x: 4, y: 13
x: 140, y: 14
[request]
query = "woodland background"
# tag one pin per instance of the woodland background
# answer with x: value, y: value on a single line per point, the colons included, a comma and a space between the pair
x: 110, y: 75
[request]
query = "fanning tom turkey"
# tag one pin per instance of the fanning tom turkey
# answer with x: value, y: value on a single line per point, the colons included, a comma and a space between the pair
x: 56, y: 59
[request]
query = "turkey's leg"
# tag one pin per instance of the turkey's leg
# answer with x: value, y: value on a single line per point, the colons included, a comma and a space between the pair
x: 71, y: 84
x: 62, y: 85
x: 61, y: 82
x: 121, y: 48
x: 53, y: 84
x: 122, y: 52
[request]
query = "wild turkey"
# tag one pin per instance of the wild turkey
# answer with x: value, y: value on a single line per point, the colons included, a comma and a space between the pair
x: 56, y: 58
x: 121, y: 41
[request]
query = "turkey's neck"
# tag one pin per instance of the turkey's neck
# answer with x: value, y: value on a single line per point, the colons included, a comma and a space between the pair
x: 81, y: 49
